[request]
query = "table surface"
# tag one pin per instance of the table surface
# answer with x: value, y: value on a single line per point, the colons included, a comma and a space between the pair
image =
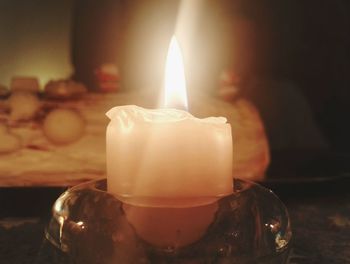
x: 320, y: 217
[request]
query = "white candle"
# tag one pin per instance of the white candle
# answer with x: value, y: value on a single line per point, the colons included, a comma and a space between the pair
x: 167, y: 153
x: 167, y: 156
x: 168, y: 166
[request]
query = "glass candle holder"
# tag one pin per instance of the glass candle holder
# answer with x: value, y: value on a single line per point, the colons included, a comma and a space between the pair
x: 89, y: 225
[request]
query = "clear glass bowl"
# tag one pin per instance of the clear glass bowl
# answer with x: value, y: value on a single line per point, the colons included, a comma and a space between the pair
x: 89, y: 225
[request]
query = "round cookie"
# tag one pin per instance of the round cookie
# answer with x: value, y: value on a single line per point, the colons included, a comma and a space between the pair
x: 64, y: 89
x: 23, y: 105
x: 63, y: 126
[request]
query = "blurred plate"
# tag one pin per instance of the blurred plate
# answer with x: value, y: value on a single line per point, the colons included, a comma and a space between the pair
x: 309, y: 171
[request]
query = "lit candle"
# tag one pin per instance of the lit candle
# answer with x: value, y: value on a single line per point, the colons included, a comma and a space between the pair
x: 168, y: 153
x: 168, y: 166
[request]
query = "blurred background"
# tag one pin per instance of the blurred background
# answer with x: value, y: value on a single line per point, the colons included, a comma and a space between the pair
x: 292, y: 57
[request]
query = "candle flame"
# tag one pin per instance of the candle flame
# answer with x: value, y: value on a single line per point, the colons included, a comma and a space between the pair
x: 175, y: 83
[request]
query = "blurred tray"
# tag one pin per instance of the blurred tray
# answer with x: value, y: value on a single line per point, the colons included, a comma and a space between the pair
x: 291, y: 173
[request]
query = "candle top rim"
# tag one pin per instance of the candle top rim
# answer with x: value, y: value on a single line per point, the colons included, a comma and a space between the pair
x: 159, y: 115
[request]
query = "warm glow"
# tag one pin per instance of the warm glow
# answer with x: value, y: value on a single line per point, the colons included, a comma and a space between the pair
x: 175, y: 83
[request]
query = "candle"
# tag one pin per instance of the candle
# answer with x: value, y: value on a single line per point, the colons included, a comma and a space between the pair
x: 167, y: 153
x: 167, y: 158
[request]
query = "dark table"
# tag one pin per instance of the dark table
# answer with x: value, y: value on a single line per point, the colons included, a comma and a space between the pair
x: 320, y: 222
